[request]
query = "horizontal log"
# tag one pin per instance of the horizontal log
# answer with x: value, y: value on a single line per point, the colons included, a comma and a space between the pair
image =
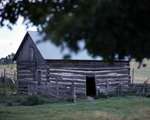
x: 55, y: 70
x: 97, y: 76
x: 74, y: 80
x: 25, y: 75
x: 89, y: 67
x: 67, y: 74
x: 84, y: 64
x: 68, y: 80
x: 24, y: 79
x: 105, y: 72
x: 119, y: 79
x: 113, y: 77
x: 105, y: 81
x: 24, y: 70
x: 67, y: 85
x: 95, y: 68
x: 82, y: 78
x: 64, y: 76
x: 112, y: 82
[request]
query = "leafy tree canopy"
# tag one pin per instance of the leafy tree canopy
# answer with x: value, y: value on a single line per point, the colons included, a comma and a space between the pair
x: 109, y: 28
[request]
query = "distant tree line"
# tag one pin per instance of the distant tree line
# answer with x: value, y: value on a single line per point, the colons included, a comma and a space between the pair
x: 7, y: 60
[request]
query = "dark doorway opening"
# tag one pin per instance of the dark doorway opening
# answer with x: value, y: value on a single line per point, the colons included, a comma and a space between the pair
x: 90, y: 86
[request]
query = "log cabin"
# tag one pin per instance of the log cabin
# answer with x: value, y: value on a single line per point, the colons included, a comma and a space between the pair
x: 39, y: 72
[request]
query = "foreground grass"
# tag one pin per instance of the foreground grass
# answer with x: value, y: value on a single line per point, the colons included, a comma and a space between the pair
x: 127, y: 108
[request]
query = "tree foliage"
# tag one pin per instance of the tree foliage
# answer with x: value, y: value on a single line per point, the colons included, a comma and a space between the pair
x: 109, y: 28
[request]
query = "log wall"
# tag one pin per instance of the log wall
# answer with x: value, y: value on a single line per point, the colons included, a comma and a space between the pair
x: 63, y: 79
x: 107, y: 76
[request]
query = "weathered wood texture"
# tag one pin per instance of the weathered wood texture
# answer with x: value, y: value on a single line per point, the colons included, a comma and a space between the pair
x: 66, y: 79
x: 62, y: 79
x: 107, y: 76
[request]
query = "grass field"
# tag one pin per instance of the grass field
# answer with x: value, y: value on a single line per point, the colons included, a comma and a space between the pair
x: 140, y: 74
x: 9, y: 67
x: 127, y: 108
x: 10, y: 70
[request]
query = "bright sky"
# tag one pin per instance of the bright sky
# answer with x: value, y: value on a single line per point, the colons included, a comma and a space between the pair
x: 11, y: 39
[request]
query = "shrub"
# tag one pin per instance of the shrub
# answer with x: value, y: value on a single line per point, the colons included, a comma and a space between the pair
x: 15, y: 100
x: 102, y: 95
x: 34, y: 100
x: 9, y: 103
